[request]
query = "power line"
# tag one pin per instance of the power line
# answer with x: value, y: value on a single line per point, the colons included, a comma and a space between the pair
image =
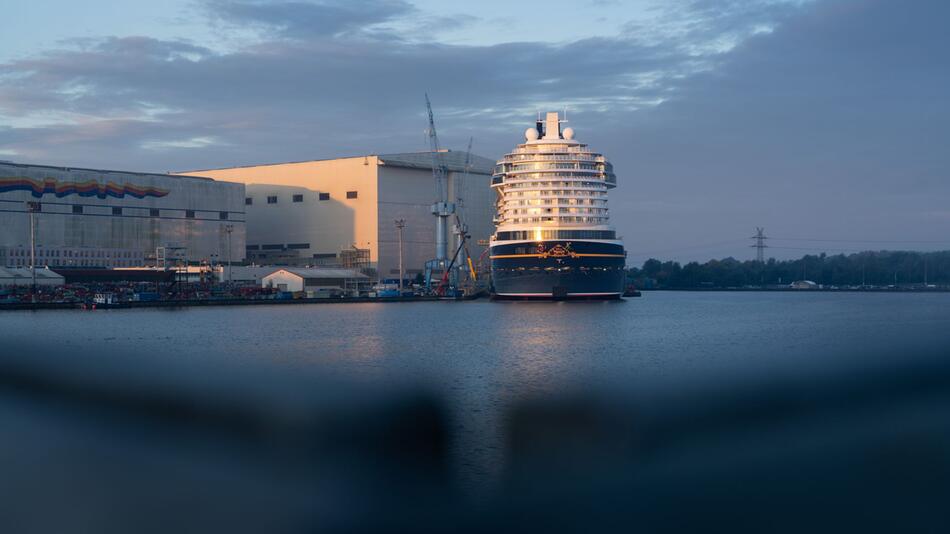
x: 689, y: 247
x: 859, y: 240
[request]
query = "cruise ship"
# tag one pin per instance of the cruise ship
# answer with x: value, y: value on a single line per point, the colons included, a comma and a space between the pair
x: 553, y: 238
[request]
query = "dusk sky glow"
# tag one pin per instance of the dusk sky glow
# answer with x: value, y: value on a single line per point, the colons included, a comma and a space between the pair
x: 826, y: 121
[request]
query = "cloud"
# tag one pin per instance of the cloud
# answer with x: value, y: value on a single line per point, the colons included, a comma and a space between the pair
x: 832, y: 125
x: 325, y: 71
x: 719, y: 116
x: 193, y: 142
x: 303, y: 19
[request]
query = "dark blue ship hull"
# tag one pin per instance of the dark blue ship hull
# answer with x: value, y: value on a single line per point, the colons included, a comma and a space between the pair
x: 558, y: 269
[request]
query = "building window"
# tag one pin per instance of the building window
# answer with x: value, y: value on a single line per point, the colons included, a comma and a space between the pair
x: 252, y: 247
x: 298, y: 198
x: 298, y: 246
x: 153, y: 212
x: 189, y: 214
x: 272, y: 247
x: 351, y: 194
x: 116, y: 210
x: 223, y: 215
x: 77, y: 210
x: 272, y: 200
x: 324, y: 196
x: 248, y: 201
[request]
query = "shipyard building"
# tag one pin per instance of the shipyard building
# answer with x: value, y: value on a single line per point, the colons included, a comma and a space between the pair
x: 342, y: 212
x: 102, y: 218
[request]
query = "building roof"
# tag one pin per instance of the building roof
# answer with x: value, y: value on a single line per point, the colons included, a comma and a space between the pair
x: 102, y: 171
x: 453, y: 161
x: 314, y: 272
x: 248, y: 272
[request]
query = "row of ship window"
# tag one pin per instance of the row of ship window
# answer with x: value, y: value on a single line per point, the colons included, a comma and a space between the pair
x: 543, y: 166
x: 558, y: 201
x: 558, y: 218
x: 517, y: 235
x: 512, y: 180
x: 551, y: 148
x: 557, y: 193
x: 553, y: 157
x: 537, y: 211
x: 79, y: 209
x: 272, y: 199
x: 559, y: 183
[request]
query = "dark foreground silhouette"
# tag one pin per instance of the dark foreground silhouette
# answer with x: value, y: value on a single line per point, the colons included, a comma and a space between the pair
x: 113, y: 443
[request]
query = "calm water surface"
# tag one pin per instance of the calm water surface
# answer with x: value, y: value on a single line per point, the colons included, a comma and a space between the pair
x: 483, y: 356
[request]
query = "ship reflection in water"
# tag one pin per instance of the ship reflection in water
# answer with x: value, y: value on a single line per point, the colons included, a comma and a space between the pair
x: 671, y: 413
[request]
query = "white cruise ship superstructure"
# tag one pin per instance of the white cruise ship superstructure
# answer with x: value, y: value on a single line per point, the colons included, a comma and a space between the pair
x: 553, y: 237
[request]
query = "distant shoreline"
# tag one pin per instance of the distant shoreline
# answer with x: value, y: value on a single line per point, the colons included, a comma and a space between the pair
x: 815, y: 290
x: 211, y: 302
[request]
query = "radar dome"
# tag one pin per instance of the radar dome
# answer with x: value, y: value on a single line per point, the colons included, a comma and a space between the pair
x: 568, y: 133
x: 531, y: 134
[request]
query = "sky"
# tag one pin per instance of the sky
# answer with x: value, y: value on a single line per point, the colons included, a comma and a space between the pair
x: 824, y: 121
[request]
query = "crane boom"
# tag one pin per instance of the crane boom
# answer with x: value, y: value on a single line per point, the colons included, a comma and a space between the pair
x: 442, y: 208
x: 438, y: 169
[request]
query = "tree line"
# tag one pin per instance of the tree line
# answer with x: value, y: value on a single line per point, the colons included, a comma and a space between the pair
x: 877, y: 268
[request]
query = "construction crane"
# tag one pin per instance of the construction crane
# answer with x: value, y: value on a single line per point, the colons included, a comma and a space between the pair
x: 442, y: 208
x: 461, y: 229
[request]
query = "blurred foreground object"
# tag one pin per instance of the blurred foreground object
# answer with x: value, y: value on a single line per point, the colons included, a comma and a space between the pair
x: 127, y: 443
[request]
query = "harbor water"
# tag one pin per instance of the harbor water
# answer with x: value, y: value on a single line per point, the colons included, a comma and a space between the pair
x: 484, y: 357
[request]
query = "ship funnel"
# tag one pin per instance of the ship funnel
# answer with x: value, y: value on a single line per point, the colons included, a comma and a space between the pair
x: 552, y: 126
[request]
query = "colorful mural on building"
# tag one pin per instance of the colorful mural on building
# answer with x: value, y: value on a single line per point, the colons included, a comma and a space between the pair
x: 90, y: 188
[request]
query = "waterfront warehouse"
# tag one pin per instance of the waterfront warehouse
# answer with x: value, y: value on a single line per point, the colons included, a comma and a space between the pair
x: 103, y: 218
x: 341, y: 212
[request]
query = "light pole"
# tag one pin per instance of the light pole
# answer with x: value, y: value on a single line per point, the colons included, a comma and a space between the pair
x: 400, y: 225
x: 33, y: 207
x: 229, y: 228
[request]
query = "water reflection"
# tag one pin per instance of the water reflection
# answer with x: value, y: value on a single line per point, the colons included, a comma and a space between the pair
x: 483, y: 357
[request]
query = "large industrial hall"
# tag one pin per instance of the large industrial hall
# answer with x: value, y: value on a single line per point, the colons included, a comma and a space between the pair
x: 343, y: 212
x: 77, y: 217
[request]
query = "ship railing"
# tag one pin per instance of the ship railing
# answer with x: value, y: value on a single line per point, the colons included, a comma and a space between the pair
x: 556, y: 193
x: 553, y: 157
x: 555, y: 172
x: 558, y: 220
x: 532, y: 176
x: 556, y: 201
x: 553, y: 148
